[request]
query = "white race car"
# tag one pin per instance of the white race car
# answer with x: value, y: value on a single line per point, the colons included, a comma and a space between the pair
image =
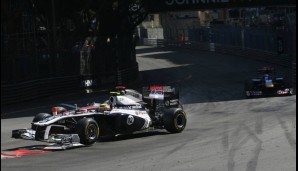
x: 126, y: 111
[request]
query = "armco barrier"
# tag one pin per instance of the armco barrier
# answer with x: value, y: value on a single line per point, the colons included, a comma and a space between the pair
x: 126, y: 75
x: 18, y: 92
x: 24, y: 91
x: 269, y: 57
x: 153, y: 42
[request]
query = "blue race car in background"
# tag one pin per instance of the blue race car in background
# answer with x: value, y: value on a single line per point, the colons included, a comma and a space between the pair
x: 267, y: 84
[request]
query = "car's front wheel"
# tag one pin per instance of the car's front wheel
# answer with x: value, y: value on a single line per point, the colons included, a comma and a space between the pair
x: 88, y: 131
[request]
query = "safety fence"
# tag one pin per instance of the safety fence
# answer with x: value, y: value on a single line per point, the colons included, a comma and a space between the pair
x: 270, y: 57
x: 255, y: 54
x: 34, y: 89
x: 283, y: 60
x: 18, y: 92
x: 127, y: 75
x: 153, y: 42
x: 275, y: 59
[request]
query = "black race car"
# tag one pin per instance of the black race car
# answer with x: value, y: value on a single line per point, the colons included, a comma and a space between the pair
x: 267, y: 84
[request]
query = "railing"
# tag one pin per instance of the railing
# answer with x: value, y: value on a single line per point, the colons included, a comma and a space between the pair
x: 18, y: 92
x: 269, y: 57
x: 153, y: 42
x: 29, y: 90
x: 126, y: 75
x: 277, y: 60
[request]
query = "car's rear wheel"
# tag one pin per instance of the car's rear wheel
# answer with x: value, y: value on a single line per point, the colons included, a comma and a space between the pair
x: 88, y: 131
x: 174, y: 120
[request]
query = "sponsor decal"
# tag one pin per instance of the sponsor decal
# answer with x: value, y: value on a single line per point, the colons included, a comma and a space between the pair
x: 282, y: 92
x: 156, y: 94
x: 130, y: 120
x: 128, y: 107
x: 140, y: 112
x: 172, y: 102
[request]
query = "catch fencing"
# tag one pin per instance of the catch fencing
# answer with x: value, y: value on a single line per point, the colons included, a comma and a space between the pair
x: 19, y: 92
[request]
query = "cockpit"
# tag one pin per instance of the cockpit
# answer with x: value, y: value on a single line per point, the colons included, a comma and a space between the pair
x: 117, y: 100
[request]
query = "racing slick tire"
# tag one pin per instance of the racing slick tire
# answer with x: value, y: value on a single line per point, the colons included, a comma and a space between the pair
x: 174, y: 120
x: 88, y: 131
x: 39, y: 117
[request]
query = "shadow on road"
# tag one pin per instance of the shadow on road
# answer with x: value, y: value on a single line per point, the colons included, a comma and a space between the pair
x: 201, y: 76
x: 130, y: 136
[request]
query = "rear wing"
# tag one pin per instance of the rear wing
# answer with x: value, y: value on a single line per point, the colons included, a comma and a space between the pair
x: 166, y: 95
x: 266, y: 70
x: 160, y: 92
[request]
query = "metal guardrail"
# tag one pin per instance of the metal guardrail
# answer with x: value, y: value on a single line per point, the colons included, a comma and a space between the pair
x: 24, y: 91
x: 18, y: 92
x: 153, y: 42
x: 34, y: 89
x: 126, y: 75
x: 270, y: 57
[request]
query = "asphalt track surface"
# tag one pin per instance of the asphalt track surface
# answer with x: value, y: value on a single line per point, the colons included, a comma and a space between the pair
x: 225, y: 131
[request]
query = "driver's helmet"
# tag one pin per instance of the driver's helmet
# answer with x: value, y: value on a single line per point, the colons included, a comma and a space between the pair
x: 104, y: 107
x: 122, y: 92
